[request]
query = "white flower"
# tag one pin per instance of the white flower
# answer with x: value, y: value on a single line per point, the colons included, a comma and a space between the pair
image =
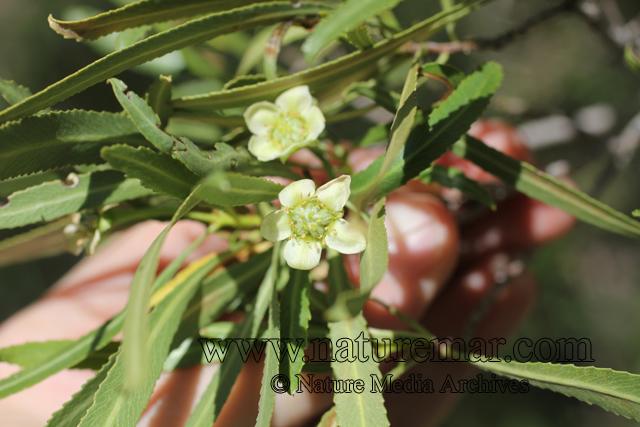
x: 312, y: 219
x: 282, y: 128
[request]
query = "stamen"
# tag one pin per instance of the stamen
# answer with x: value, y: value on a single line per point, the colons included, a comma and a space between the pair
x: 324, y: 242
x: 303, y: 236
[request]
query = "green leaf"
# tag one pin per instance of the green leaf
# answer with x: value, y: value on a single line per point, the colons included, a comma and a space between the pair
x: 121, y: 405
x: 217, y: 393
x: 636, y: 213
x: 55, y: 199
x: 347, y: 17
x: 188, y: 34
x: 538, y: 185
x: 614, y: 391
x: 444, y: 72
x: 360, y: 37
x: 428, y: 141
x: 271, y: 366
x: 159, y: 99
x: 375, y: 258
x: 374, y: 135
x: 372, y: 90
x: 32, y: 353
x: 356, y: 409
x: 455, y: 178
x: 226, y: 158
x: 135, y: 350
x: 143, y: 116
x: 140, y: 13
x: 234, y: 189
x: 57, y: 140
x: 294, y: 321
x: 156, y: 171
x: 75, y: 409
x: 402, y: 122
x: 631, y: 58
x: 13, y: 92
x: 349, y: 68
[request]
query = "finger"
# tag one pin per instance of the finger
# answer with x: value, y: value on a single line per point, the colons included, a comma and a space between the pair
x: 124, y: 251
x: 520, y: 223
x: 450, y: 316
x: 90, y: 294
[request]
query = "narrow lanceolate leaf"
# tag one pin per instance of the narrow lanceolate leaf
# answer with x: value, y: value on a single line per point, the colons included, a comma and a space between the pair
x: 347, y: 17
x: 430, y: 140
x: 120, y: 405
x: 156, y: 171
x: 356, y: 409
x: 234, y: 189
x: 135, y: 351
x: 141, y: 13
x: 614, y: 391
x: 326, y: 75
x: 75, y: 409
x: 159, y: 98
x: 267, y: 395
x: 12, y: 92
x: 455, y: 178
x: 375, y: 257
x: 57, y: 140
x: 188, y: 34
x: 219, y: 388
x: 538, y: 185
x: 53, y: 200
x: 145, y: 119
x: 294, y: 321
x: 226, y: 158
x: 402, y: 122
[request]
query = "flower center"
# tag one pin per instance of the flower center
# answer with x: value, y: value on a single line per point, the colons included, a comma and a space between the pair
x: 312, y: 220
x: 290, y: 128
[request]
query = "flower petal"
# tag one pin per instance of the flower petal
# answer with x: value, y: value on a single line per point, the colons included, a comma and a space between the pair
x: 259, y: 116
x: 275, y: 226
x: 296, y: 99
x: 264, y: 148
x: 335, y: 193
x: 346, y: 238
x: 302, y: 255
x: 315, y: 122
x: 297, y: 192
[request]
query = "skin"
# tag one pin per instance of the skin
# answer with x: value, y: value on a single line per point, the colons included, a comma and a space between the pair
x: 438, y: 274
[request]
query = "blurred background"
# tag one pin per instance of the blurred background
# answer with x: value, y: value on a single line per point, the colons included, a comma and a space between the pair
x: 566, y: 88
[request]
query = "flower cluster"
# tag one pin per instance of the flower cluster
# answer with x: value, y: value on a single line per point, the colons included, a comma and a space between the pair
x: 282, y: 128
x: 312, y: 220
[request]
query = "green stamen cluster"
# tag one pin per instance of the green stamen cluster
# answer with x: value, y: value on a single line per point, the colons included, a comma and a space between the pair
x: 289, y: 129
x: 311, y: 220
